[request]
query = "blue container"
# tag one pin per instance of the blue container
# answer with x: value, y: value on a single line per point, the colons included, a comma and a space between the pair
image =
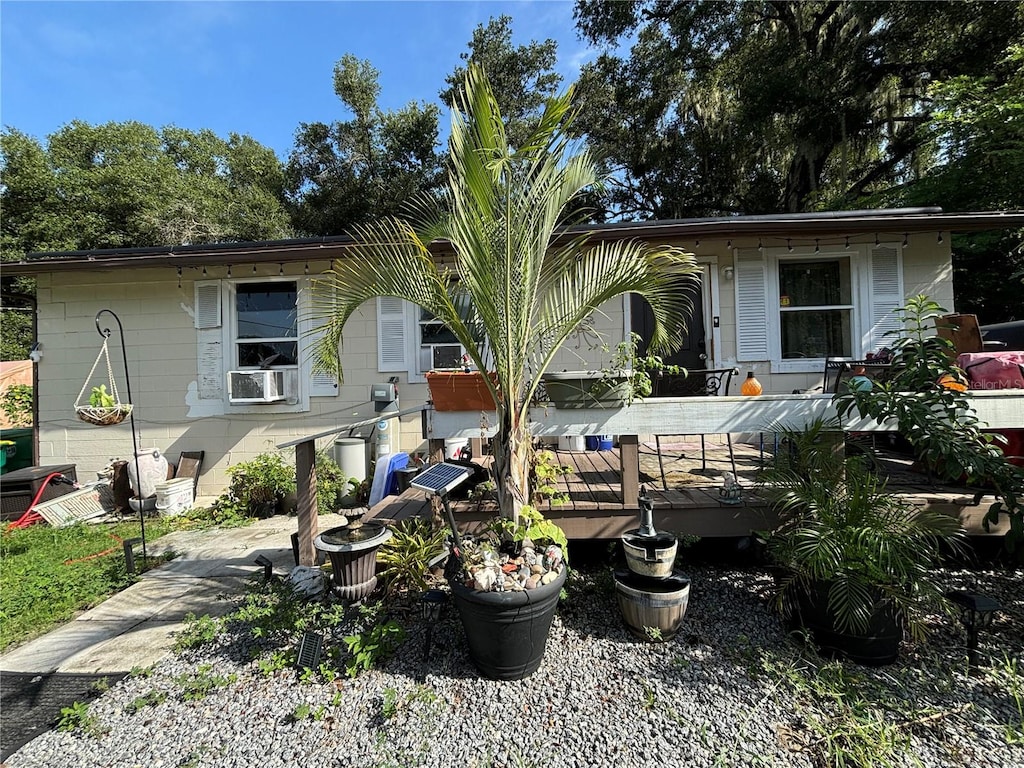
x: 592, y: 442
x: 605, y: 443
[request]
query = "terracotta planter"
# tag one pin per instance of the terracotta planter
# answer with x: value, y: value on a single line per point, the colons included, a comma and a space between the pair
x: 459, y: 391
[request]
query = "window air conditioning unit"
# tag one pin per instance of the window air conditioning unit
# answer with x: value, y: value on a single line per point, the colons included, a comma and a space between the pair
x: 440, y: 356
x: 255, y: 386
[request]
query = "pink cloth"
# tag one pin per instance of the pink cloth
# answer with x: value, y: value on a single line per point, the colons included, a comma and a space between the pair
x: 993, y: 370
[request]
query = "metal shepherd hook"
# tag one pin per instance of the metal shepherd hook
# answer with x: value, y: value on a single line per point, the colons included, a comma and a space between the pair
x: 105, y: 333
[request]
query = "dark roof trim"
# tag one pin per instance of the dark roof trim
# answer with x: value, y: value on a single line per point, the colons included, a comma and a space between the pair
x: 831, y: 223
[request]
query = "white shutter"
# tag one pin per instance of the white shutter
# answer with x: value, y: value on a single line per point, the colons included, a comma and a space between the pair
x: 391, y: 335
x: 207, y: 314
x: 209, y: 341
x: 751, y: 306
x: 320, y: 384
x: 315, y: 316
x: 886, y: 296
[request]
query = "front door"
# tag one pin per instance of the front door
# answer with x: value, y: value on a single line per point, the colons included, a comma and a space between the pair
x: 693, y: 353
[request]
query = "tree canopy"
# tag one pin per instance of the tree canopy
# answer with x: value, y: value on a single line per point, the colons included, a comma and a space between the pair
x: 761, y: 107
x: 348, y: 171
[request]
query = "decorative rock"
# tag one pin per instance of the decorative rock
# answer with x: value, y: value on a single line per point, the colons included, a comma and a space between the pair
x: 553, y: 556
x: 537, y: 569
x: 533, y: 582
x: 484, y: 579
x: 548, y: 577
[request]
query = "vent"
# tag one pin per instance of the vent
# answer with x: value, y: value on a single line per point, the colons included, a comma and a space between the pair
x: 255, y: 387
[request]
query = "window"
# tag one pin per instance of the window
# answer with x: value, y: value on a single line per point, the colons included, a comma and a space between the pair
x: 795, y: 309
x: 246, y: 325
x: 815, y: 308
x: 266, y: 324
x: 438, y: 346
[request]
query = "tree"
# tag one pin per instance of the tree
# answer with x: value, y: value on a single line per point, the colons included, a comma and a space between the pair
x: 122, y: 185
x: 344, y: 173
x: 509, y: 298
x: 760, y: 107
x: 522, y: 77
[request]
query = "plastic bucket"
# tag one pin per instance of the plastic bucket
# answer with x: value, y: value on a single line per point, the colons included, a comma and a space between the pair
x: 605, y: 443
x: 453, y: 447
x: 570, y: 443
x: 592, y: 442
x: 350, y: 456
x: 174, y: 496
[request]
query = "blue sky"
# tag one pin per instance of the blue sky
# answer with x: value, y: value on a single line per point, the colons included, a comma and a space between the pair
x: 259, y: 68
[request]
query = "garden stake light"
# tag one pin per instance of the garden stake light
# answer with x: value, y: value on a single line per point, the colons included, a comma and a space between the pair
x: 976, y: 613
x: 268, y: 567
x: 431, y: 603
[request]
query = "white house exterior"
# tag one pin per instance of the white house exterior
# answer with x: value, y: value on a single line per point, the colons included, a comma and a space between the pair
x: 193, y: 314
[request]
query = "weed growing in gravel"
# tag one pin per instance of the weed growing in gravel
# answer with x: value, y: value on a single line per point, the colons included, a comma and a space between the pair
x: 149, y: 699
x: 137, y: 672
x: 198, y: 631
x: 77, y: 717
x: 1008, y: 673
x: 369, y: 648
x: 202, y: 683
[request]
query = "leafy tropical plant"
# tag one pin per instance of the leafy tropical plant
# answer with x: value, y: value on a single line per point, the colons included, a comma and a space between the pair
x: 842, y: 531
x: 512, y: 294
x: 407, y: 554
x: 938, y: 420
x: 331, y: 483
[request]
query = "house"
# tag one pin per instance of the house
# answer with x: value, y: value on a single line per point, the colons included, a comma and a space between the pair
x: 218, y: 337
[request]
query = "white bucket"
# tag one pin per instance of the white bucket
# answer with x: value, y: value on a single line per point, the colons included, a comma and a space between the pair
x: 571, y: 443
x: 453, y: 446
x: 174, y: 496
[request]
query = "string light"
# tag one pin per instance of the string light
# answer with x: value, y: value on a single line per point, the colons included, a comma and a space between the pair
x: 847, y: 242
x: 696, y: 243
x: 280, y: 269
x: 254, y: 269
x: 876, y: 238
x: 729, y: 244
x: 229, y: 270
x: 305, y: 270
x: 760, y: 245
x: 940, y: 237
x: 905, y: 240
x: 204, y: 270
x: 789, y: 244
x: 816, y: 248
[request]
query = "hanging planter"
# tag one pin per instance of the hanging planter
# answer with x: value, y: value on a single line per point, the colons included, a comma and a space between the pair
x: 104, y: 408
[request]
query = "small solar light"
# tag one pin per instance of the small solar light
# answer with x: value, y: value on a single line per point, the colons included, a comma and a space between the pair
x: 976, y: 613
x: 268, y: 566
x: 129, y: 555
x: 431, y: 604
x: 310, y: 647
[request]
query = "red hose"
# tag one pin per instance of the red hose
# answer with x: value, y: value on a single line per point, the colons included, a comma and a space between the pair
x: 30, y: 516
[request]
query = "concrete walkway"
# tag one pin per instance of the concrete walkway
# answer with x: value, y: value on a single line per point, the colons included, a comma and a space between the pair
x: 136, y: 627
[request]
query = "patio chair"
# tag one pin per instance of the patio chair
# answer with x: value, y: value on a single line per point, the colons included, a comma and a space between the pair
x: 841, y: 369
x: 716, y: 383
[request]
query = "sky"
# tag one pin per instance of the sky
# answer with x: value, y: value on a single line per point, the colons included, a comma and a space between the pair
x: 256, y: 68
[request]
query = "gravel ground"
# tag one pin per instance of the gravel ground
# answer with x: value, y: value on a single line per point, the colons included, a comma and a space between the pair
x: 731, y: 689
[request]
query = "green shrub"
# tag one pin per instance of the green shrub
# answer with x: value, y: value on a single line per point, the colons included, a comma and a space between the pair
x: 16, y: 403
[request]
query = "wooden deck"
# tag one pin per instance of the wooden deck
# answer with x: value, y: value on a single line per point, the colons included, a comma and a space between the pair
x: 595, y: 508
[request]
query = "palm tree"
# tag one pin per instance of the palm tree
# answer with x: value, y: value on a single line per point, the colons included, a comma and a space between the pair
x: 520, y: 283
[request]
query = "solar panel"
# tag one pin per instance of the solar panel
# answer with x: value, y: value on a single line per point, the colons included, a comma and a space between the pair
x: 441, y: 478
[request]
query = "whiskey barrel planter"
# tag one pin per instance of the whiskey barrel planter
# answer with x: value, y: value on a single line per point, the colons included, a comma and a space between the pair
x: 652, y: 608
x: 507, y: 631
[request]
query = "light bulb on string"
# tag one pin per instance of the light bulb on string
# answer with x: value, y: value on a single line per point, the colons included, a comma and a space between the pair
x: 305, y: 269
x: 280, y: 269
x: 816, y: 248
x: 847, y: 242
x: 906, y: 240
x: 760, y: 245
x: 179, y: 277
x: 876, y: 238
x: 254, y: 269
x: 204, y: 270
x: 789, y: 245
x: 229, y: 270
x: 940, y: 237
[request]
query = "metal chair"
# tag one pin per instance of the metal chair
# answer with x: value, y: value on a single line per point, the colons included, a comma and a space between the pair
x: 840, y: 368
x: 716, y: 382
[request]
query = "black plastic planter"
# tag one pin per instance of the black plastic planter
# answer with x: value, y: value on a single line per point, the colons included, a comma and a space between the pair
x: 878, y: 646
x: 507, y: 631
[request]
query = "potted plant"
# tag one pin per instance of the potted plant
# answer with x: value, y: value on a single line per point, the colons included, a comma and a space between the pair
x: 628, y: 377
x: 852, y: 561
x: 261, y: 484
x: 463, y: 389
x: 513, y: 293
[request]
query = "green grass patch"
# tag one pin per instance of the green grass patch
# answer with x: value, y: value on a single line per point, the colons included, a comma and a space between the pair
x: 48, y: 574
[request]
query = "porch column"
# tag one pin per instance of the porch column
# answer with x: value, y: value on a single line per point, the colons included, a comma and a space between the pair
x: 305, y: 480
x: 629, y: 458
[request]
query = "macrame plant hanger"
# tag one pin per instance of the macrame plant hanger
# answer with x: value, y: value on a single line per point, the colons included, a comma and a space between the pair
x: 106, y: 415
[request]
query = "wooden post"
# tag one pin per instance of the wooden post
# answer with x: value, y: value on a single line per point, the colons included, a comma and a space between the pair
x: 629, y: 458
x: 305, y: 479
